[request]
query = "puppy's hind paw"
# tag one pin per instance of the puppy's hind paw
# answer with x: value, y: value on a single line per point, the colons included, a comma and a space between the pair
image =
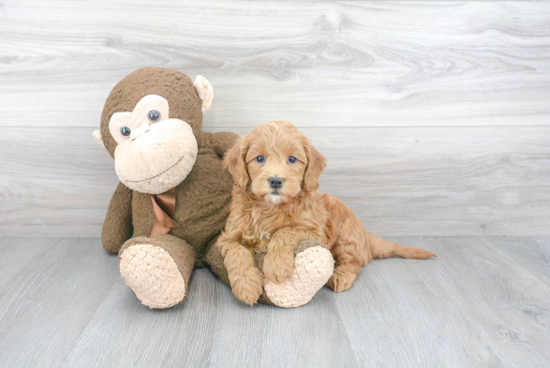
x: 342, y: 278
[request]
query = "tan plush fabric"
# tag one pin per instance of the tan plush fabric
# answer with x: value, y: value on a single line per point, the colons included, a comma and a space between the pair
x: 158, y: 161
x: 312, y: 269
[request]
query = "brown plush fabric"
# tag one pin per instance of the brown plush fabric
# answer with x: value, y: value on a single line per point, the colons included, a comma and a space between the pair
x: 202, y: 199
x: 305, y: 244
x: 117, y: 227
x: 215, y: 261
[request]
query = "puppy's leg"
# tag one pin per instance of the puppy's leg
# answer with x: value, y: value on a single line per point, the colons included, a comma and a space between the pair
x: 348, y: 266
x: 279, y: 261
x: 356, y: 247
x: 245, y: 278
x: 350, y: 250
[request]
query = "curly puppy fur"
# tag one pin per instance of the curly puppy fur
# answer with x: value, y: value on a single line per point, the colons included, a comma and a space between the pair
x: 275, y: 218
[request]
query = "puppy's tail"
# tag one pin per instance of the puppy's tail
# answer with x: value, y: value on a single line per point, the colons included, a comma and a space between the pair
x: 383, y: 249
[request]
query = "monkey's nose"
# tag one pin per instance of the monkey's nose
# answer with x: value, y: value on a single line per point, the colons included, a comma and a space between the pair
x: 275, y: 182
x: 136, y: 133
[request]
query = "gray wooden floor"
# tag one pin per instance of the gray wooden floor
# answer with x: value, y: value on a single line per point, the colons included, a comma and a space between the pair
x: 484, y: 302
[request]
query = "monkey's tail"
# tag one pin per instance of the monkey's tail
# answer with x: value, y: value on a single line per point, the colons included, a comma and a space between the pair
x: 382, y: 248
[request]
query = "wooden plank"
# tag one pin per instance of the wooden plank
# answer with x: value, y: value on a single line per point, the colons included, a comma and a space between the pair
x: 18, y: 252
x: 211, y: 328
x: 45, y: 305
x: 531, y: 253
x: 124, y: 333
x: 476, y: 305
x: 470, y: 307
x: 267, y: 336
x: 399, y: 181
x: 315, y: 63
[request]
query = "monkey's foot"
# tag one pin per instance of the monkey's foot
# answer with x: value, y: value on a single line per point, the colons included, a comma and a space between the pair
x: 152, y: 274
x: 312, y: 269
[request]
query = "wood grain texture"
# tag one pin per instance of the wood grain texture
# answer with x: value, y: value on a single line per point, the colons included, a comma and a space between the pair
x: 311, y: 62
x: 434, y: 115
x: 478, y: 304
x: 399, y: 181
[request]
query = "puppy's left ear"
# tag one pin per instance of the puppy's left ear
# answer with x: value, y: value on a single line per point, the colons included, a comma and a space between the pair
x: 205, y: 91
x: 234, y: 161
x: 316, y: 163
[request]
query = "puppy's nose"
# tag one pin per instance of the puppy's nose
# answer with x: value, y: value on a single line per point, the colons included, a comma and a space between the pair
x: 275, y: 182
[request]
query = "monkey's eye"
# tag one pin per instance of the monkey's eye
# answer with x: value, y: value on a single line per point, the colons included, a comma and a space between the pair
x: 153, y: 116
x: 260, y: 159
x: 125, y: 131
x: 292, y: 159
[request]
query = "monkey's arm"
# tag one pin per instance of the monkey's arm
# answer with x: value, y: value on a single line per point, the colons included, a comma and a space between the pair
x: 220, y: 142
x: 117, y: 227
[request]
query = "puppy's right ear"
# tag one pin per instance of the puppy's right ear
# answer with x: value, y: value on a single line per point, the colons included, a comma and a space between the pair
x: 234, y: 161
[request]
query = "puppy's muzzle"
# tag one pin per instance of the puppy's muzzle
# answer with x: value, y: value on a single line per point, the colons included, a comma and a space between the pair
x: 275, y: 182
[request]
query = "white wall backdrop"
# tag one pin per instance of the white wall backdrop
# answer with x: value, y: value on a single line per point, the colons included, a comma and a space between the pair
x: 435, y: 116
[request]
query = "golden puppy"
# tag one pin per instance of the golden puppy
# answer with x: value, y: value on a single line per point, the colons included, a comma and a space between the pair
x: 275, y: 206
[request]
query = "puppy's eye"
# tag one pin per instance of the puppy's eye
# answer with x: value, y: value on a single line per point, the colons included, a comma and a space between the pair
x: 125, y: 131
x: 260, y: 159
x: 153, y: 116
x: 292, y: 159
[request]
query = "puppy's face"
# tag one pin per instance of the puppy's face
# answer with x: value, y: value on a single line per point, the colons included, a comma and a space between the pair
x: 275, y: 162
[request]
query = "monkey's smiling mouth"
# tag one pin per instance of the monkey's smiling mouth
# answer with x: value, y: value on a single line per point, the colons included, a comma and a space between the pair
x: 156, y: 176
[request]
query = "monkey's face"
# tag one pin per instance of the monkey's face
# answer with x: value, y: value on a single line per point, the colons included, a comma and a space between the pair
x: 154, y: 153
x: 151, y: 124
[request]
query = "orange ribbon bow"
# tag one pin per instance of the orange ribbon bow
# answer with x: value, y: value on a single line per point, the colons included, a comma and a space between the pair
x: 164, y: 205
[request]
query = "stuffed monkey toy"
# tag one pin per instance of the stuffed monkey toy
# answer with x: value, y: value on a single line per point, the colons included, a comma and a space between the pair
x: 174, y: 195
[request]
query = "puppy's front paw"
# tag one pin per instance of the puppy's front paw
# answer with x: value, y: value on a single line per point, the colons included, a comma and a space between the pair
x: 278, y: 265
x: 247, y: 285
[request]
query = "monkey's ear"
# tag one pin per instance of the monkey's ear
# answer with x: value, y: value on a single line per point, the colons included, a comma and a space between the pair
x: 97, y: 136
x: 205, y: 91
x: 234, y: 161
